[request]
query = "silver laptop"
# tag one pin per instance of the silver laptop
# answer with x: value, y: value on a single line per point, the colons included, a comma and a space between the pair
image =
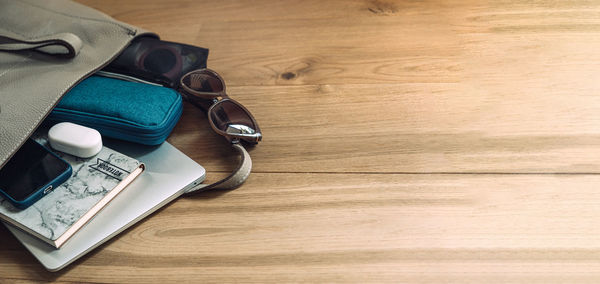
x: 168, y: 174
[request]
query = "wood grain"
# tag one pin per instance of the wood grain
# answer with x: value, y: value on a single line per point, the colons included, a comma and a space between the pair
x: 358, y: 228
x: 404, y: 141
x: 408, y: 128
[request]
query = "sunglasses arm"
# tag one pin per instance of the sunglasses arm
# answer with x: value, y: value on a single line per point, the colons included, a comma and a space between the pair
x: 235, y: 179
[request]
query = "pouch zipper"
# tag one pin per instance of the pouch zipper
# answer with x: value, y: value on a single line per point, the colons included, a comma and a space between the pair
x: 124, y: 77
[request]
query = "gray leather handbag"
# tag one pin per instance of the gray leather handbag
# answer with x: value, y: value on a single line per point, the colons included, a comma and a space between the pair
x: 46, y: 48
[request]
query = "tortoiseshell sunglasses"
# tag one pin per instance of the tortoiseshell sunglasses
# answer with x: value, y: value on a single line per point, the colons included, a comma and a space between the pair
x: 203, y: 88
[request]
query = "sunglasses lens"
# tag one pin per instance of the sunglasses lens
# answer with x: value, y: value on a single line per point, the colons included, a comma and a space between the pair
x: 231, y: 118
x: 203, y: 82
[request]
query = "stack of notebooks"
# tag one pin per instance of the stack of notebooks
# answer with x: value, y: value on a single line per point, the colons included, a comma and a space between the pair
x: 60, y: 214
x: 86, y: 211
x: 168, y: 174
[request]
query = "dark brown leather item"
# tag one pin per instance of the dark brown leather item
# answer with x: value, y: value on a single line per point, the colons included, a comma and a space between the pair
x: 158, y: 61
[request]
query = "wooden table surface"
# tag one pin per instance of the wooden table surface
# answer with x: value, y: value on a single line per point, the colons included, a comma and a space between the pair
x: 404, y: 141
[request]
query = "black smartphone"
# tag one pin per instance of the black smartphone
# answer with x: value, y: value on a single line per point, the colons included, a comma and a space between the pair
x: 31, y: 173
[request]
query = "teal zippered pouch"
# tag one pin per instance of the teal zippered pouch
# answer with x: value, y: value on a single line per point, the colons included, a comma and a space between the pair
x: 131, y: 111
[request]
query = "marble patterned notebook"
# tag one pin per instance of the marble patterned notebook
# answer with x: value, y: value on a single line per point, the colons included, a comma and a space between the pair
x: 95, y: 182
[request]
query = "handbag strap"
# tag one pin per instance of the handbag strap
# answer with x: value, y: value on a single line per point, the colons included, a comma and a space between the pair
x: 235, y: 179
x: 62, y: 44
